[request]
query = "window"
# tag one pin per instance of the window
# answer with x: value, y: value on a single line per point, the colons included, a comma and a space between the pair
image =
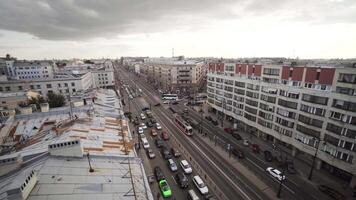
x: 8, y: 88
x: 1, y: 89
x: 73, y: 89
x: 344, y: 90
x: 344, y: 105
x: 66, y: 84
x: 59, y: 85
x: 73, y: 84
x: 49, y: 85
x: 290, y: 73
x: 20, y: 87
x: 315, y: 99
x: 288, y: 104
x: 271, y: 71
x: 38, y: 86
x: 347, y: 78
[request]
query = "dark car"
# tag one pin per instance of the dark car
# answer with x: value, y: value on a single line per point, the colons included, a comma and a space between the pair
x: 238, y: 153
x: 175, y: 152
x: 268, y: 156
x: 159, y: 142
x: 236, y: 136
x: 210, y: 197
x: 145, y: 108
x: 331, y: 192
x: 290, y: 167
x: 208, y: 118
x: 228, y: 130
x: 149, y: 124
x: 175, y: 102
x: 159, y: 173
x: 157, y: 104
x: 164, y: 135
x: 153, y: 121
x: 215, y: 122
x: 165, y: 153
x: 173, y: 111
x: 182, y: 180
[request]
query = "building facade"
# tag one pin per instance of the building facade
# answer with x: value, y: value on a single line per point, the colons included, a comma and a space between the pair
x: 307, y: 108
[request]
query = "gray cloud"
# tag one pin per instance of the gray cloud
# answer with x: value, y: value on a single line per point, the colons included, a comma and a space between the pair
x: 84, y: 19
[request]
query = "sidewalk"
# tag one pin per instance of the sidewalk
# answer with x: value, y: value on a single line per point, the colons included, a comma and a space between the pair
x: 302, y: 161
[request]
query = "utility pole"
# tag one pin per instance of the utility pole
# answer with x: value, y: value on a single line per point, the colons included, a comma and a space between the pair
x: 223, y: 112
x: 314, y: 157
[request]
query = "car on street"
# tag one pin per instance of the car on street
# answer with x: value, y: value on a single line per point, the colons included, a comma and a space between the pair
x: 157, y: 104
x: 185, y: 110
x: 142, y: 116
x: 149, y: 124
x: 238, y: 153
x: 290, y: 167
x: 208, y: 118
x: 236, y: 136
x: 140, y: 130
x: 165, y: 153
x: 165, y: 189
x: 268, y: 156
x: 175, y: 102
x: 182, y: 180
x: 228, y: 130
x: 158, y: 126
x: 166, y: 102
x: 159, y: 142
x: 186, y: 167
x: 198, y: 182
x: 164, y: 135
x: 246, y: 142
x: 276, y: 173
x: 150, y: 153
x: 175, y: 152
x: 143, y: 125
x: 159, y: 173
x: 215, y: 122
x: 145, y: 109
x: 153, y: 132
x: 172, y: 165
x: 331, y: 192
x: 209, y: 197
x: 145, y: 143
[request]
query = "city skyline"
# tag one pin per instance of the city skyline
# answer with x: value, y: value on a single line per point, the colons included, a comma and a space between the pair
x: 91, y: 29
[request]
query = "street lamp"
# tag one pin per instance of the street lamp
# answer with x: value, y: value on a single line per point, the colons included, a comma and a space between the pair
x: 223, y: 112
x: 316, y: 153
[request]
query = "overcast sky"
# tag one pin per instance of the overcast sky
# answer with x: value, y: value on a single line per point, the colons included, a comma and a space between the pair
x: 39, y: 29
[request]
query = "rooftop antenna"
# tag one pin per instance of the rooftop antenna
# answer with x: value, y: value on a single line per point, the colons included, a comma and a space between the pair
x: 172, y: 52
x: 90, y: 168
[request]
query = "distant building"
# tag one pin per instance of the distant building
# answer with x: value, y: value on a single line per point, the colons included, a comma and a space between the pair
x: 307, y: 107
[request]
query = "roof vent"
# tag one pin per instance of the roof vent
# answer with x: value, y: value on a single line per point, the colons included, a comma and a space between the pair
x: 66, y: 148
x: 22, y: 185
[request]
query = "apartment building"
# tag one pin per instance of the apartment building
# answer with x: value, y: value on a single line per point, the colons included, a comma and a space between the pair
x: 308, y: 108
x: 175, y: 74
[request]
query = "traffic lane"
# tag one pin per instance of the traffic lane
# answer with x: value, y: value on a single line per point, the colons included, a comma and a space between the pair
x: 177, y: 192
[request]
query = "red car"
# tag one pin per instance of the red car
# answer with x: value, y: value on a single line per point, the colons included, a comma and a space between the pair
x: 164, y: 135
x: 228, y: 130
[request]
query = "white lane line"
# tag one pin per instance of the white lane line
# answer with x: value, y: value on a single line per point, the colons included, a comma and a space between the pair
x: 207, y: 158
x: 174, y: 180
x: 259, y: 167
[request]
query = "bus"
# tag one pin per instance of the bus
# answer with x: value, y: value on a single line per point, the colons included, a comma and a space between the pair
x: 170, y: 97
x: 183, y: 125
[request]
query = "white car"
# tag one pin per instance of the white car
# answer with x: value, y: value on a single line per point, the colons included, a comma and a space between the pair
x: 198, y: 182
x: 166, y: 102
x: 276, y: 173
x: 145, y: 143
x: 140, y: 130
x: 143, y: 125
x: 172, y: 165
x: 143, y: 116
x: 158, y: 126
x: 186, y: 167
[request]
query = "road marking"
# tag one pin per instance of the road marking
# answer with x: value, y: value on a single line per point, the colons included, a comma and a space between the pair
x: 174, y: 180
x: 259, y: 167
x: 222, y: 172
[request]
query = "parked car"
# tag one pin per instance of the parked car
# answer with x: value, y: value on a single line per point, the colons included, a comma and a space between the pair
x: 238, y: 153
x: 143, y: 125
x: 172, y: 165
x: 157, y: 104
x: 208, y: 118
x: 175, y: 102
x: 290, y: 167
x: 236, y: 136
x: 175, y: 152
x: 164, y: 135
x: 186, y: 167
x: 158, y: 126
x: 215, y: 122
x: 149, y: 124
x: 276, y: 173
x: 182, y: 180
x: 159, y: 173
x: 145, y: 109
x: 159, y: 142
x: 246, y: 142
x: 165, y: 189
x: 140, y: 130
x: 153, y: 132
x: 210, y: 197
x: 153, y: 121
x: 166, y: 102
x: 142, y: 116
x: 185, y: 110
x: 198, y: 182
x: 165, y: 153
x: 145, y: 143
x: 331, y: 192
x: 228, y: 130
x: 268, y: 156
x: 150, y: 153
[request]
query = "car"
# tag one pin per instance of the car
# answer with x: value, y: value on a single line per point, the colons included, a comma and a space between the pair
x: 150, y: 153
x: 208, y: 118
x: 149, y: 124
x: 165, y: 189
x: 153, y: 132
x: 215, y: 122
x: 166, y: 102
x: 143, y: 125
x: 145, y: 109
x: 290, y: 167
x: 236, y: 136
x: 149, y: 115
x: 209, y: 197
x: 159, y: 142
x: 185, y: 110
x: 151, y: 178
x: 276, y: 173
x: 145, y: 143
x: 186, y: 167
x: 198, y: 182
x: 238, y: 153
x: 246, y: 142
x: 153, y: 121
x: 228, y: 130
x: 158, y: 126
x: 172, y: 165
x: 141, y: 135
x: 130, y: 96
x: 165, y: 153
x: 175, y: 102
x: 140, y: 130
x: 164, y: 135
x: 175, y: 152
x: 331, y: 192
x: 182, y: 180
x: 157, y: 104
x: 142, y: 116
x: 268, y: 156
x: 159, y: 173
